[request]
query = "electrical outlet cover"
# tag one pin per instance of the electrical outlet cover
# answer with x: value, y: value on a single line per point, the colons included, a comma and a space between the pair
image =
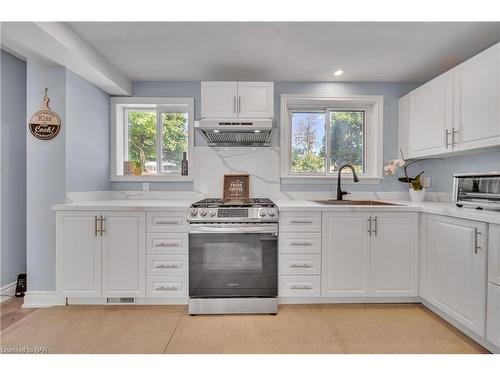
x: 145, y: 186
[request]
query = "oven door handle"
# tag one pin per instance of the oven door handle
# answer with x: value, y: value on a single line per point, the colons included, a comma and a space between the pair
x: 233, y: 228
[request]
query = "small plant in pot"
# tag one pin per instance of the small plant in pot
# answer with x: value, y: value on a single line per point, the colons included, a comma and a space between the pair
x: 417, y: 191
x: 136, y: 167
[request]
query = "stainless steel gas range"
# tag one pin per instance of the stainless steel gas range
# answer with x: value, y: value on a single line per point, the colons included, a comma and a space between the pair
x: 233, y: 256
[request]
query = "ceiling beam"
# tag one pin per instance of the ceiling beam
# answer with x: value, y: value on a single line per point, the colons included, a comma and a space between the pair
x: 55, y: 43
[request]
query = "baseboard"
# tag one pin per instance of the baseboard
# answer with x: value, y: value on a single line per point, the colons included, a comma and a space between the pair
x: 40, y: 299
x: 8, y: 291
x: 318, y: 300
x: 480, y: 340
x: 138, y: 301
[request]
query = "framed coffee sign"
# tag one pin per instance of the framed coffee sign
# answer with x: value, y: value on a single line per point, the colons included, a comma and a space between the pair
x: 236, y: 186
x: 45, y: 123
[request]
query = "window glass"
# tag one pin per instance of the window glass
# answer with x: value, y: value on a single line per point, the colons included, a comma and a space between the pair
x: 142, y: 142
x: 308, y: 142
x: 347, y: 140
x: 174, y: 141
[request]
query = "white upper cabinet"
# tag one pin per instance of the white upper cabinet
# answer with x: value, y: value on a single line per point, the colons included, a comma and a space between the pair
x: 430, y: 117
x: 245, y: 100
x: 455, y: 112
x: 404, y: 118
x: 456, y: 269
x: 477, y: 101
x: 219, y: 99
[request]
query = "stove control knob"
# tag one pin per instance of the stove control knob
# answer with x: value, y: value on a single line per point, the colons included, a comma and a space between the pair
x: 203, y: 212
x: 212, y: 212
x: 262, y: 213
x: 194, y: 212
x: 272, y: 213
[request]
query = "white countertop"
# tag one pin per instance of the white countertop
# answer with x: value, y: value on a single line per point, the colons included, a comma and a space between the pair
x: 440, y: 208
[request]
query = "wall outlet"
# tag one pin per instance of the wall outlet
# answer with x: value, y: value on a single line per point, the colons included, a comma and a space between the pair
x: 426, y: 182
x: 145, y: 186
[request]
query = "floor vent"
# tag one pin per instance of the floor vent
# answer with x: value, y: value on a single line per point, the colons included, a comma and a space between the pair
x: 121, y: 301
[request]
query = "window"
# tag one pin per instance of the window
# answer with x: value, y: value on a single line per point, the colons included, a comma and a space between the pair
x: 151, y: 136
x: 319, y: 134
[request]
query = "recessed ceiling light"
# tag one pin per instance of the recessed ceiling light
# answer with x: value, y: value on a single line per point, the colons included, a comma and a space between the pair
x: 216, y: 130
x: 256, y: 131
x: 338, y: 72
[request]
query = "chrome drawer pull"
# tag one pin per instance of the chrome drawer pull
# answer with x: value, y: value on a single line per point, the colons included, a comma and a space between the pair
x: 301, y: 287
x: 167, y: 244
x: 167, y: 266
x: 300, y: 265
x: 301, y: 244
x: 476, y: 239
x: 301, y: 222
x: 167, y: 222
x: 170, y: 288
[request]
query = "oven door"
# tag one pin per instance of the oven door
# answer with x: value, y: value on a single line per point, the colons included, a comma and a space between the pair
x: 233, y: 260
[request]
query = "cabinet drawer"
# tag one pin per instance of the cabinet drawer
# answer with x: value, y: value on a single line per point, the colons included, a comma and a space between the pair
x: 167, y: 243
x: 299, y: 264
x: 299, y: 286
x: 166, y: 222
x: 300, y: 243
x: 167, y: 286
x: 167, y: 265
x: 300, y: 222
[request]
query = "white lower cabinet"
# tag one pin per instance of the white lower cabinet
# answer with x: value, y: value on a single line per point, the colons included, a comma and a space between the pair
x: 493, y: 312
x: 456, y: 270
x: 369, y: 254
x: 299, y: 286
x: 123, y: 254
x: 100, y: 254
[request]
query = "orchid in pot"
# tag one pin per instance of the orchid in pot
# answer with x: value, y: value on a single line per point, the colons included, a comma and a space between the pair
x: 417, y: 191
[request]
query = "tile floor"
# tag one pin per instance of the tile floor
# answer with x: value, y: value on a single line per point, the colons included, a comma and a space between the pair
x: 380, y: 328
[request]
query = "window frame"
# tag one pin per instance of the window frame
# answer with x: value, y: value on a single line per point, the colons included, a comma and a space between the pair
x: 372, y: 105
x: 120, y: 106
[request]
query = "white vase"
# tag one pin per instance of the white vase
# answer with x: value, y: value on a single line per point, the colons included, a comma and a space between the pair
x: 417, y: 195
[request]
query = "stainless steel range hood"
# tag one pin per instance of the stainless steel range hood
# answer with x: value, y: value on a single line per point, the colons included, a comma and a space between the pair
x: 236, y: 132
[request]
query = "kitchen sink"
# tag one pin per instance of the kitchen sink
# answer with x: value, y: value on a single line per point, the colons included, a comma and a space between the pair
x: 332, y: 202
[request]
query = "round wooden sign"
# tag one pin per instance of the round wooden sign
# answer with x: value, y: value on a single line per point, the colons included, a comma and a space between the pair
x: 45, y: 124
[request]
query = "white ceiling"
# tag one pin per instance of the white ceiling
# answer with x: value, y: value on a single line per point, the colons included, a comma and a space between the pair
x: 274, y: 51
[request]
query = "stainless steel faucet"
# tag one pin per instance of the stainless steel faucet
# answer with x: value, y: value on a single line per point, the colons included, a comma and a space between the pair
x: 341, y: 193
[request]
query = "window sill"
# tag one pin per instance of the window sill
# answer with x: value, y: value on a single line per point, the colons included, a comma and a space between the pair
x: 331, y: 180
x: 151, y: 178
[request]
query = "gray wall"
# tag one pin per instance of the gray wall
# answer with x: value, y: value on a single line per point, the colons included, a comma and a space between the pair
x: 87, y: 136
x: 45, y: 176
x: 13, y: 170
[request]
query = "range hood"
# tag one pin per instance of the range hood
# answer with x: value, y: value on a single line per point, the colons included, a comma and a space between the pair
x: 236, y: 132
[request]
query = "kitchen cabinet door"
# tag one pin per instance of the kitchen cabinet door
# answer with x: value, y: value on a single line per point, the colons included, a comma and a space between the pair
x: 477, y: 101
x: 403, y: 127
x: 430, y: 117
x: 493, y: 322
x: 456, y: 270
x: 494, y: 254
x: 219, y: 99
x: 78, y: 256
x: 255, y: 99
x: 345, y: 255
x: 394, y: 254
x: 124, y: 254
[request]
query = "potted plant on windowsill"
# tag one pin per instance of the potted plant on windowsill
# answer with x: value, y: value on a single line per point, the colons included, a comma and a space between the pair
x: 417, y: 191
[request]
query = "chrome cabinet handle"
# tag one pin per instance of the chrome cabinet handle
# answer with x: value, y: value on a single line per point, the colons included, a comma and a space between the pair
x: 304, y: 265
x: 370, y: 226
x: 375, y: 231
x: 167, y: 266
x: 453, y: 132
x: 167, y: 222
x: 165, y: 244
x: 301, y: 287
x: 447, y: 136
x: 96, y: 231
x: 301, y: 244
x: 167, y: 288
x: 300, y: 222
x: 476, y: 240
x: 239, y: 104
x: 103, y: 219
x: 234, y: 104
